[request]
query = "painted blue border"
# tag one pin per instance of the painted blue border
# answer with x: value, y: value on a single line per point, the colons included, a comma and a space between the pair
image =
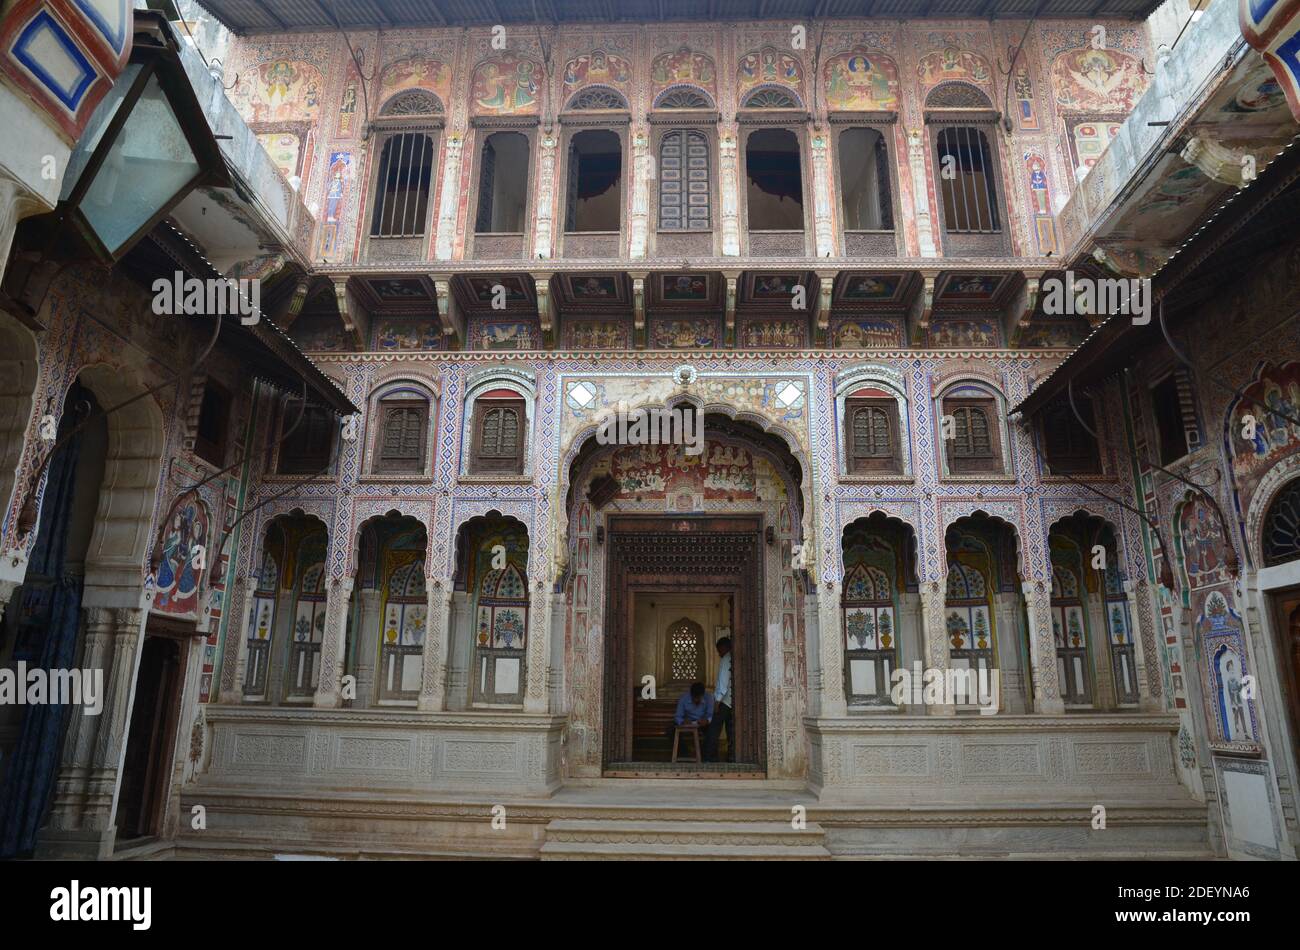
x: 118, y: 41
x: 43, y: 20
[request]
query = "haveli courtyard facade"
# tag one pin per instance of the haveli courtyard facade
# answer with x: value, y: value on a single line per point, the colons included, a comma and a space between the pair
x: 361, y: 572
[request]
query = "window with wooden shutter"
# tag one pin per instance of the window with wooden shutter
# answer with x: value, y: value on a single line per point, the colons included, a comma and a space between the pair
x: 1067, y: 445
x: 975, y: 443
x: 307, y: 449
x: 499, y: 436
x: 872, y: 427
x: 212, y: 429
x: 403, y: 425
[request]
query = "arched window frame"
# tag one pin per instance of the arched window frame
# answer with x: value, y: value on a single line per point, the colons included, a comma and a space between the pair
x: 873, y: 604
x: 518, y: 381
x: 960, y: 602
x: 687, y: 135
x: 865, y: 242
x: 389, y: 394
x: 969, y: 392
x: 1073, y: 660
x: 389, y: 126
x: 500, y: 244
x: 892, y: 383
x: 967, y: 108
x: 404, y: 614
x: 780, y: 242
x: 306, y: 632
x: 591, y: 243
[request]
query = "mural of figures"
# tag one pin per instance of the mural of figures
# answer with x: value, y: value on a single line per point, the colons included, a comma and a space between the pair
x: 280, y: 90
x: 184, y: 548
x: 772, y: 334
x: 336, y: 191
x: 683, y: 66
x: 596, y: 67
x: 768, y: 66
x: 964, y: 333
x: 1053, y: 334
x: 950, y: 64
x: 597, y: 335
x: 407, y: 335
x: 507, y: 85
x: 1024, y: 89
x: 1097, y: 80
x: 505, y: 336
x: 1202, y: 546
x: 348, y: 109
x: 1040, y: 203
x: 860, y: 81
x: 415, y: 73
x: 1273, y: 436
x: 862, y: 333
x: 1229, y: 701
x: 721, y: 471
x: 683, y: 334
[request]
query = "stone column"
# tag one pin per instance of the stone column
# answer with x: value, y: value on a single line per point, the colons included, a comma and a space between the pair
x: 823, y: 219
x: 643, y: 172
x: 1105, y: 692
x: 936, y: 639
x: 459, y: 650
x: 916, y: 145
x: 729, y: 186
x: 831, y: 650
x: 81, y: 820
x: 813, y: 638
x: 1042, y: 648
x: 234, y: 658
x: 1135, y: 591
x: 333, y: 643
x: 1013, y: 697
x: 367, y: 647
x: 544, y: 226
x: 449, y: 205
x: 433, y: 685
x: 539, y: 649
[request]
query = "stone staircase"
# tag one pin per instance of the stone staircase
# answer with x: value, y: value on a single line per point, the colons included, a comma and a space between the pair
x: 582, y: 839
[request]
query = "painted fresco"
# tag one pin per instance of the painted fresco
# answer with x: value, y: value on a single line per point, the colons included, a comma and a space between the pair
x: 960, y: 333
x: 320, y: 332
x: 407, y: 335
x: 1274, y: 438
x: 683, y: 67
x: 1088, y: 139
x: 1040, y: 203
x: 596, y: 68
x: 721, y: 471
x: 870, y: 287
x: 863, y: 333
x: 183, y: 559
x: 280, y: 91
x: 338, y: 180
x: 596, y: 334
x: 415, y: 73
x: 284, y: 149
x: 1026, y: 109
x: 482, y: 288
x: 685, y: 287
x: 503, y: 335
x: 971, y: 287
x: 506, y: 85
x: 861, y: 81
x: 952, y: 64
x: 1052, y: 334
x: 1097, y: 80
x: 773, y: 334
x: 684, y: 334
x: 766, y: 66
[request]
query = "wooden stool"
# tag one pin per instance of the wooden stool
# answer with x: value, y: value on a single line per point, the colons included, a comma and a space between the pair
x: 693, y: 731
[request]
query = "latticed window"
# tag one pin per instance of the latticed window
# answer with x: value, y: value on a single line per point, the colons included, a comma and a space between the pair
x: 971, y: 444
x: 1067, y: 445
x: 499, y: 436
x: 872, y: 442
x: 402, y: 437
x: 686, y: 641
x: 1282, y: 526
x: 683, y: 99
x: 597, y: 97
x: 770, y: 99
x: 684, y: 181
x: 971, y: 425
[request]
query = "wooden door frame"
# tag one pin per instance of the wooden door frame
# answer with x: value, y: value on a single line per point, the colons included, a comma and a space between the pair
x: 662, y: 553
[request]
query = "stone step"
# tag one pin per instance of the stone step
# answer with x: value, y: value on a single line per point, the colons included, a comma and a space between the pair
x: 605, y: 839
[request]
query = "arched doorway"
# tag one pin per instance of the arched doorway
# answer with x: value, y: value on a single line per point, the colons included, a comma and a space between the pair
x: 388, y: 612
x: 879, y: 606
x: 658, y: 536
x: 491, y: 614
x: 1280, y: 548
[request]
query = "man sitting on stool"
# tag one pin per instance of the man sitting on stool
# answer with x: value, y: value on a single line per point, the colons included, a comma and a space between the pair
x: 695, y: 708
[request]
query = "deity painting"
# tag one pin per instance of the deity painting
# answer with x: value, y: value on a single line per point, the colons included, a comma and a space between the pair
x: 407, y: 335
x: 1097, y: 80
x: 1051, y: 334
x: 339, y: 173
x: 963, y: 333
x: 769, y: 286
x: 593, y: 288
x: 506, y: 336
x: 1202, y: 545
x: 348, y: 109
x: 184, y: 551
x: 861, y: 82
x: 1256, y: 96
x: 1271, y: 401
x: 483, y: 288
x: 952, y: 64
x: 506, y: 85
x: 281, y: 90
x: 414, y: 73
x: 597, y: 335
x: 1230, y: 696
x: 859, y: 334
x: 1040, y: 200
x: 685, y: 287
x: 400, y: 289
x: 596, y: 67
x: 871, y: 288
x: 772, y: 334
x: 682, y: 66
x: 971, y: 287
x: 768, y: 66
x: 683, y: 334
x: 1024, y: 88
x: 322, y: 334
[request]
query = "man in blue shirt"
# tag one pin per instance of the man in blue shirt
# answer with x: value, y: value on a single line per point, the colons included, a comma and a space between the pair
x: 695, y: 708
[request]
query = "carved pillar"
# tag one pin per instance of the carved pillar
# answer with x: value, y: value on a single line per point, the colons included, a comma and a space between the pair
x: 544, y: 227
x: 539, y: 648
x: 729, y: 186
x: 831, y: 650
x: 80, y: 823
x: 936, y: 638
x: 1013, y: 697
x: 333, y: 643
x: 433, y: 683
x: 1142, y: 589
x: 449, y: 205
x: 367, y: 646
x: 1042, y: 648
x: 823, y: 220
x: 643, y: 173
x: 234, y: 661
x: 920, y: 192
x: 1104, y: 690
